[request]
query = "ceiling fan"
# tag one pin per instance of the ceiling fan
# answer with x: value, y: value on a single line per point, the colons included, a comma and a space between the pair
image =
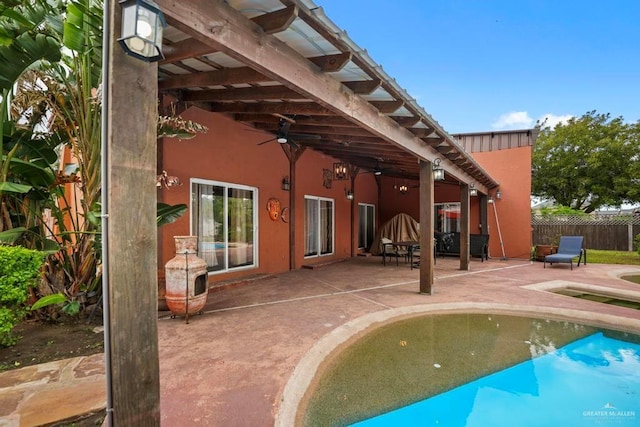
x: 378, y: 170
x: 283, y: 136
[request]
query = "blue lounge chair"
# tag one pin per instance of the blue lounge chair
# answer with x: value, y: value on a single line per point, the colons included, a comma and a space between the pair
x: 569, y: 248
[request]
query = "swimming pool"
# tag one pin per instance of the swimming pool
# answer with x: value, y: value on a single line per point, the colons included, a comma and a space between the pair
x: 412, y: 360
x: 592, y: 381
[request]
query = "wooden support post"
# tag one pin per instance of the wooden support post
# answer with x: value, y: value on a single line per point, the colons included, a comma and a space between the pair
x: 464, y: 227
x: 293, y: 154
x: 484, y: 221
x: 131, y: 260
x: 427, y: 261
x: 353, y: 172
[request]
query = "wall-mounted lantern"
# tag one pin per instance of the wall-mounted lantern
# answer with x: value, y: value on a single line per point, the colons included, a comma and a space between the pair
x: 473, y: 191
x: 286, y: 185
x: 142, y: 27
x: 348, y: 193
x: 438, y: 172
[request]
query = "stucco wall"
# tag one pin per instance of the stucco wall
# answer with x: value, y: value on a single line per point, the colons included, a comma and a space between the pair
x: 229, y: 153
x: 512, y: 169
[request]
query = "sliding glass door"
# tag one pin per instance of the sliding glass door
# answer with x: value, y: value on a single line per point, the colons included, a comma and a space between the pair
x: 223, y: 218
x: 447, y: 218
x: 366, y: 225
x: 318, y: 226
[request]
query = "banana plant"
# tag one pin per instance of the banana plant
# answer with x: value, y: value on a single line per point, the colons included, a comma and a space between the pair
x: 26, y: 40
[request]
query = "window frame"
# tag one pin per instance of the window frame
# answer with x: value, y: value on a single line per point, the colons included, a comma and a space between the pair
x: 333, y: 226
x: 226, y: 186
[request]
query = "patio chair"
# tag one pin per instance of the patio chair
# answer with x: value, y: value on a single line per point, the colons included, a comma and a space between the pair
x: 569, y: 248
x: 389, y: 249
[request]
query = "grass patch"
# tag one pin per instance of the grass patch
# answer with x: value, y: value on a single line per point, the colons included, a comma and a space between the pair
x: 598, y: 256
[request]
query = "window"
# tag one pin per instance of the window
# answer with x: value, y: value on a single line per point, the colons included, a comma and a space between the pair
x: 366, y: 225
x: 447, y: 217
x: 223, y: 218
x: 318, y: 226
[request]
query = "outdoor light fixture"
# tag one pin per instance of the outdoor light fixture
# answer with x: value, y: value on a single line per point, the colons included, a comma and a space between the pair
x: 286, y: 185
x: 498, y: 194
x: 142, y: 26
x: 348, y: 193
x: 473, y: 191
x: 340, y: 172
x: 403, y: 189
x: 438, y: 172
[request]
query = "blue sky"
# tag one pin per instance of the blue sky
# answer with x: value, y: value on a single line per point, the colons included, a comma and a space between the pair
x: 484, y: 65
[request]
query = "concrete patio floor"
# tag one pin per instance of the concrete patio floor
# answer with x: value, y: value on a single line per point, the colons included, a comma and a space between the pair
x: 247, y: 360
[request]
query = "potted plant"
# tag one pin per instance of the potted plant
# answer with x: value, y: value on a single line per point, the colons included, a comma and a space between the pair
x: 551, y: 247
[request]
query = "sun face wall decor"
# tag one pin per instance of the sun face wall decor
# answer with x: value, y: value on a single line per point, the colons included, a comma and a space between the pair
x: 273, y: 207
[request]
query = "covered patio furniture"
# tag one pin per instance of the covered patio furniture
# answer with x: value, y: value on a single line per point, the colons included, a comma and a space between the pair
x: 570, y: 247
x: 400, y: 228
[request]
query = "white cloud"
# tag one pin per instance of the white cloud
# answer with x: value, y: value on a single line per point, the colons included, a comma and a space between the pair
x: 513, y: 120
x: 552, y: 120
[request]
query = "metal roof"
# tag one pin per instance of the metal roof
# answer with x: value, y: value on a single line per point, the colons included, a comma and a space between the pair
x: 266, y: 62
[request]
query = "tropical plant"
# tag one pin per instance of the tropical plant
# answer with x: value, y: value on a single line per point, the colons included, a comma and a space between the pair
x: 589, y: 162
x: 26, y: 40
x: 50, y: 76
x: 53, y: 65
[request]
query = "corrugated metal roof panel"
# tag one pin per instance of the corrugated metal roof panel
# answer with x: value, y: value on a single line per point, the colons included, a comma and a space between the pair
x: 494, y: 141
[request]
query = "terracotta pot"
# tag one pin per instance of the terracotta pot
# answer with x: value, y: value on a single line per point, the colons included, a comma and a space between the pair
x: 544, y: 250
x: 186, y: 278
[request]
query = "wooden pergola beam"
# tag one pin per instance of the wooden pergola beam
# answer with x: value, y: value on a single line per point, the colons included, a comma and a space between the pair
x: 185, y: 49
x: 243, y: 94
x: 226, y: 76
x: 363, y: 87
x: 277, y: 21
x: 331, y: 63
x: 272, y: 107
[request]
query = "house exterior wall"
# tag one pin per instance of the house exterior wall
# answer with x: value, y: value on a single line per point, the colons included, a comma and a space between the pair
x: 512, y: 169
x: 228, y: 152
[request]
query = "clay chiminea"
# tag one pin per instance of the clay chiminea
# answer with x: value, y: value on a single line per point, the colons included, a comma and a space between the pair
x: 186, y: 279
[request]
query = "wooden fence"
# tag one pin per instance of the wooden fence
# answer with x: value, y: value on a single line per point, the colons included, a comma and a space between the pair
x: 609, y: 233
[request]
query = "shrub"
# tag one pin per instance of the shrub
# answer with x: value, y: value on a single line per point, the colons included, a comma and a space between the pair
x: 20, y: 270
x: 636, y: 242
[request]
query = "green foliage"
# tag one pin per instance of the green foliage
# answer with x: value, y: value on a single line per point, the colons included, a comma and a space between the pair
x: 19, y: 271
x: 560, y: 211
x: 49, y: 300
x: 636, y: 243
x: 591, y: 161
x: 167, y: 214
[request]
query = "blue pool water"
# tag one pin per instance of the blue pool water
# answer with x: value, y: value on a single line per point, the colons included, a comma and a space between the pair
x: 590, y: 382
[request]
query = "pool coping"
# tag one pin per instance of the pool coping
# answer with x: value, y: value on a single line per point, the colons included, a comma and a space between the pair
x: 302, y: 378
x: 553, y: 286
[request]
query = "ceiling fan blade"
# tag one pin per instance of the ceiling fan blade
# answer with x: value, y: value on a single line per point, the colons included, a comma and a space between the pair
x: 268, y: 140
x: 292, y: 143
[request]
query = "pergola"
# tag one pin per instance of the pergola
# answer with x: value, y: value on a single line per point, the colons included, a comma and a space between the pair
x: 275, y: 65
